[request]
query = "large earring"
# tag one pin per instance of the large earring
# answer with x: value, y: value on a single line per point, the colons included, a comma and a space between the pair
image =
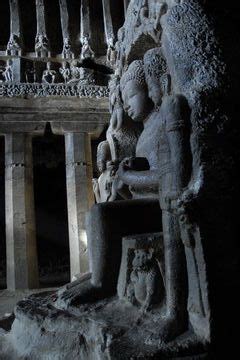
x: 165, y: 83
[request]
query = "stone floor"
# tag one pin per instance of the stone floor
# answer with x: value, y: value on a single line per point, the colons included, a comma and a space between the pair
x: 8, y: 299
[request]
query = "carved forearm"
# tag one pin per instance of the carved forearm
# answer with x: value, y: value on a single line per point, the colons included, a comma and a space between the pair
x: 180, y: 158
x: 178, y: 132
x: 140, y: 179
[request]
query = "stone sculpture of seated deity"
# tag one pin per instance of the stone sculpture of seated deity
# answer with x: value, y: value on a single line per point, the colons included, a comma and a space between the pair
x: 108, y: 223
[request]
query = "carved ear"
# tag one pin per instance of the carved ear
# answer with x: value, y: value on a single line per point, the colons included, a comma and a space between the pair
x: 151, y: 251
x: 165, y: 83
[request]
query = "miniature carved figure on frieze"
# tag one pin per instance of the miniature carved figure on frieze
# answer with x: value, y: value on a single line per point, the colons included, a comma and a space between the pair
x: 65, y: 72
x: 87, y: 52
x: 8, y: 72
x: 49, y: 75
x: 67, y: 52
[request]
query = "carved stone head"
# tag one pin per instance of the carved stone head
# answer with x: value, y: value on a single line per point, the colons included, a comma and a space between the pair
x: 142, y: 257
x: 156, y: 73
x: 134, y: 91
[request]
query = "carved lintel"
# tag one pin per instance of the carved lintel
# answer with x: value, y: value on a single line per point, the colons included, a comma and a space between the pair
x: 41, y: 41
x: 14, y: 44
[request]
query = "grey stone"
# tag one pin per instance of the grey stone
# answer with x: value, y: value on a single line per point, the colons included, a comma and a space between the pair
x: 22, y: 264
x: 141, y: 272
x: 79, y: 197
x: 173, y: 80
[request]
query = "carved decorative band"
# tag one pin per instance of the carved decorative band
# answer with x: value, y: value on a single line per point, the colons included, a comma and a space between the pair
x: 45, y: 90
x: 78, y: 163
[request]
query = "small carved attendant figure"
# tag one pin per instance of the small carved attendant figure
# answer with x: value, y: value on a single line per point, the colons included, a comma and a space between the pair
x: 87, y: 52
x: 14, y: 43
x: 67, y: 48
x: 49, y: 76
x: 30, y: 73
x: 102, y: 186
x: 65, y: 72
x: 74, y: 70
x: 41, y: 44
x: 146, y: 286
x: 86, y: 76
x: 8, y: 73
x: 116, y: 106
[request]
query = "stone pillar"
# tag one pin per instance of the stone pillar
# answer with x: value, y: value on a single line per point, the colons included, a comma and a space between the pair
x: 85, y: 31
x: 14, y: 43
x: 79, y: 197
x: 41, y: 41
x: 108, y: 25
x: 22, y: 264
x: 108, y: 29
x: 126, y: 3
x: 67, y: 44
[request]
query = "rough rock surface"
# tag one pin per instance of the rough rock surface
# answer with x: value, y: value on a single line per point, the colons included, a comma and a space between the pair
x: 108, y: 329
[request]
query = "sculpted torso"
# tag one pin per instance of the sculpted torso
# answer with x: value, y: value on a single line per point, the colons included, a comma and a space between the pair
x: 147, y: 147
x: 142, y: 181
x: 148, y: 142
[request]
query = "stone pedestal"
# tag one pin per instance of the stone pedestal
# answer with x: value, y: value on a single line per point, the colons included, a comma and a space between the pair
x: 22, y: 265
x: 79, y: 197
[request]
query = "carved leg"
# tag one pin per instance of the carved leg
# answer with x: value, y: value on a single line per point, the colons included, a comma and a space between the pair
x: 174, y: 321
x: 106, y: 224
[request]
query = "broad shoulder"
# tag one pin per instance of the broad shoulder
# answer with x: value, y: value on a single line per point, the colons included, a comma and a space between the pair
x: 175, y: 102
x: 175, y: 108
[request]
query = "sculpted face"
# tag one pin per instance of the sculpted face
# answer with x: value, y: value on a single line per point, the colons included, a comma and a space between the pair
x: 135, y: 100
x: 141, y: 258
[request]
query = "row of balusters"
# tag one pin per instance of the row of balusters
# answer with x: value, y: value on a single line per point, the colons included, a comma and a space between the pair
x: 67, y: 27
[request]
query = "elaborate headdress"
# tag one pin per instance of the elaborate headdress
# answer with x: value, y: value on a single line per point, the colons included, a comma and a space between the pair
x: 154, y: 64
x: 134, y: 72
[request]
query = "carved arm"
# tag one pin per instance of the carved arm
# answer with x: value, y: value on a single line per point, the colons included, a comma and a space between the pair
x: 178, y: 134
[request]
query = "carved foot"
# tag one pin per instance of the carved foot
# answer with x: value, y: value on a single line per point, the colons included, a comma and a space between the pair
x: 170, y: 327
x: 81, y: 292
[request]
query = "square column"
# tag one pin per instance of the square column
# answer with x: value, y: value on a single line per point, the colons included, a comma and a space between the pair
x: 79, y: 197
x: 22, y: 264
x: 67, y: 51
x: 14, y: 46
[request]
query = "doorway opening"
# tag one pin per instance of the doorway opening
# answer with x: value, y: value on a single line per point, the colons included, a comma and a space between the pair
x: 51, y: 209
